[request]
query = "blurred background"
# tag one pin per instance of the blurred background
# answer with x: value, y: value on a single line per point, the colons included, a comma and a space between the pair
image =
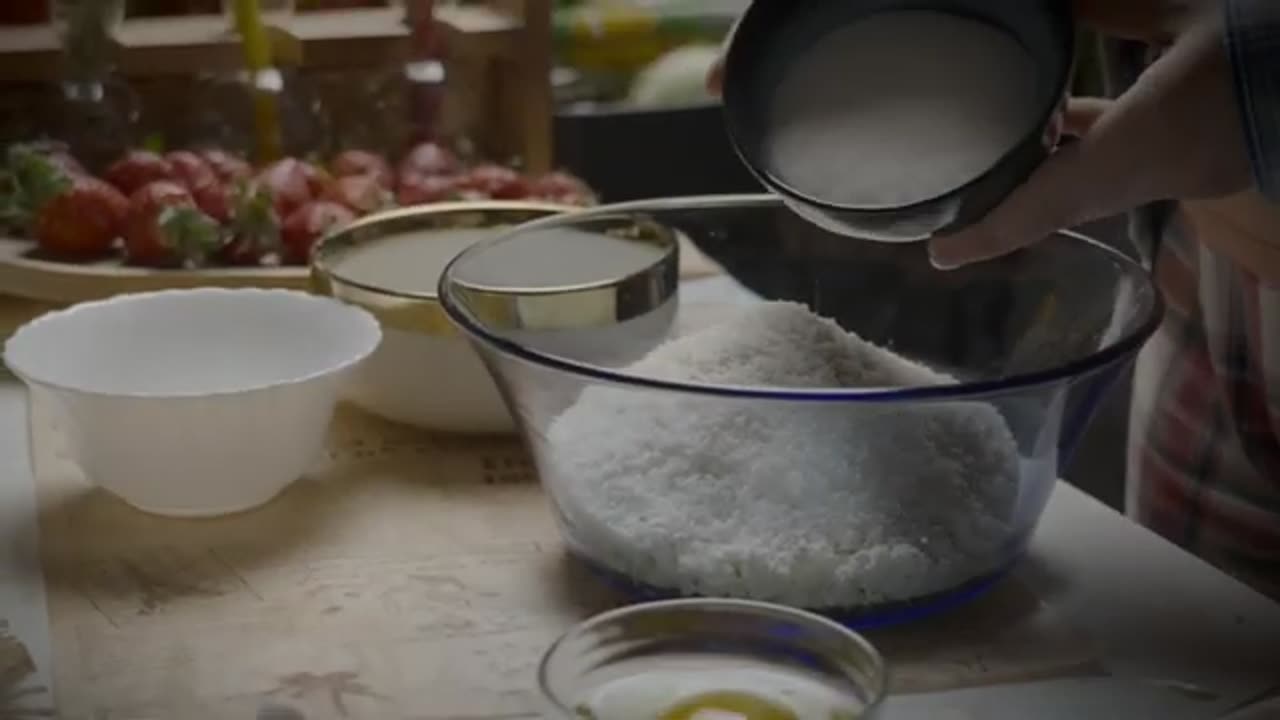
x: 609, y: 90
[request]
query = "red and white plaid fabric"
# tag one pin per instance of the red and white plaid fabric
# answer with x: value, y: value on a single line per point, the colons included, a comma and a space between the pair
x: 1204, y: 452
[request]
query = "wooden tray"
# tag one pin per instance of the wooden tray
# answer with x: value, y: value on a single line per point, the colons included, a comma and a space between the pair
x: 25, y: 275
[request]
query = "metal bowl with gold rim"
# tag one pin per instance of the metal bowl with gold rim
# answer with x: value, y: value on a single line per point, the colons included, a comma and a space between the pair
x: 424, y: 373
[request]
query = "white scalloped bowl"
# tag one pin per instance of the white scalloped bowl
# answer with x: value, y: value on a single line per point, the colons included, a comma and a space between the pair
x: 194, y: 403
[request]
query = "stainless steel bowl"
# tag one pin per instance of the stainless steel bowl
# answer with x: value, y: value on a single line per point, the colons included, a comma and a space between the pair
x: 773, y: 31
x: 424, y: 373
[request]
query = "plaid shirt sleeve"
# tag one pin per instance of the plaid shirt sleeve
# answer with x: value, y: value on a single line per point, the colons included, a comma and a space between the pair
x: 1253, y: 41
x: 1204, y: 455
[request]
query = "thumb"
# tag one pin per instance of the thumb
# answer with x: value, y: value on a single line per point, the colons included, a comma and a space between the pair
x: 715, y: 76
x: 1068, y: 189
x: 1083, y: 113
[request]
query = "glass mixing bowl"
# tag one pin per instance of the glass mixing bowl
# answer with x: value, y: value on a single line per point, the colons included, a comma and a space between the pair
x: 871, y: 503
x: 650, y: 660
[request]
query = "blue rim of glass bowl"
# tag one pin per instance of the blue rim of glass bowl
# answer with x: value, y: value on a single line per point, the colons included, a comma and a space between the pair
x: 1118, y: 351
x: 858, y: 619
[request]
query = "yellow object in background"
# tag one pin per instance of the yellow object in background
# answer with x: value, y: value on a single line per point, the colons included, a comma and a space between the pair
x: 257, y: 56
x: 623, y: 36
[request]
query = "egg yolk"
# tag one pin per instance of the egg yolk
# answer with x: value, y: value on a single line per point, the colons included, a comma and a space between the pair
x: 728, y: 705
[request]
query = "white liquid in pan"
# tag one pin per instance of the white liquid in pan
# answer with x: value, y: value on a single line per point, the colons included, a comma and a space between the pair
x: 412, y: 262
x: 408, y: 262
x: 899, y: 108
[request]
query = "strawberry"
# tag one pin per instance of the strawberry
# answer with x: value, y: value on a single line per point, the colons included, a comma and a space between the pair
x: 306, y: 226
x: 425, y: 189
x: 210, y: 192
x: 361, y: 193
x: 69, y: 214
x: 254, y: 230
x: 428, y: 158
x: 216, y: 200
x: 226, y: 166
x: 57, y: 153
x: 165, y: 228
x: 81, y: 221
x: 496, y: 181
x: 67, y: 164
x: 291, y: 183
x: 561, y: 187
x: 27, y: 172
x: 362, y: 162
x: 138, y: 168
x: 318, y: 179
x: 191, y: 170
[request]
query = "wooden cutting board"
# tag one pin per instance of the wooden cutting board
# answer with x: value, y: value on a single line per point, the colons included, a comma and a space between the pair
x: 24, y: 274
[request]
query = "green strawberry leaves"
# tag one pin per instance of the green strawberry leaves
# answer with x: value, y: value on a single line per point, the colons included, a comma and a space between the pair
x: 190, y: 234
x: 254, y: 218
x: 28, y: 181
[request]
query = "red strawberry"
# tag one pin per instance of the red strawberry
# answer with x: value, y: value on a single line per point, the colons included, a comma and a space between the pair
x: 255, y: 228
x: 210, y: 192
x: 66, y: 163
x: 426, y: 189
x: 362, y: 162
x: 166, y: 229
x: 228, y: 167
x: 215, y: 200
x: 561, y: 187
x: 361, y: 193
x: 496, y: 181
x: 82, y: 220
x: 292, y: 183
x: 305, y: 227
x: 428, y: 158
x: 137, y: 168
x: 191, y: 170
x: 57, y: 153
x: 69, y: 214
x: 241, y: 252
x: 318, y: 179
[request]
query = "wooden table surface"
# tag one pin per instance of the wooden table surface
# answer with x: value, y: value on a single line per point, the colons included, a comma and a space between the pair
x: 419, y: 576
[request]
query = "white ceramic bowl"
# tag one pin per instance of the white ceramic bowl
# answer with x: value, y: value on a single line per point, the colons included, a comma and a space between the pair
x: 194, y: 402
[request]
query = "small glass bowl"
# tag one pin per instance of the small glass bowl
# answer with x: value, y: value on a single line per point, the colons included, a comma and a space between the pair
x: 682, y: 640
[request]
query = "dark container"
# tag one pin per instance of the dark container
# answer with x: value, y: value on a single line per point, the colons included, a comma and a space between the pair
x: 774, y: 31
x: 629, y: 154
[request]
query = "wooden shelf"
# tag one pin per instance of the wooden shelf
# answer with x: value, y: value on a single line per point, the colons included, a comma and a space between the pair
x: 479, y: 29
x: 29, y: 54
x: 499, y: 55
x: 151, y: 47
x: 158, y: 47
x: 351, y: 38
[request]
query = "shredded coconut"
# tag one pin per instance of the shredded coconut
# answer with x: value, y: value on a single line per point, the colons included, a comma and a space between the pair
x: 814, y: 504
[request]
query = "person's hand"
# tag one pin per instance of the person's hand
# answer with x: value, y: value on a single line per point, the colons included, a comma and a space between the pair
x: 1177, y: 133
x: 715, y: 74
